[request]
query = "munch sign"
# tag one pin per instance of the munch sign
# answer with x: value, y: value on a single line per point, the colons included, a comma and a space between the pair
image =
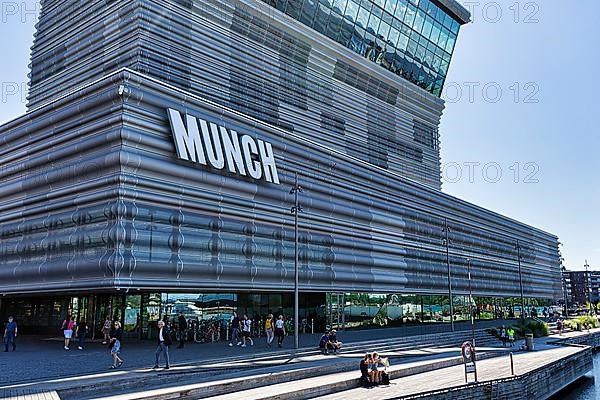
x: 207, y: 143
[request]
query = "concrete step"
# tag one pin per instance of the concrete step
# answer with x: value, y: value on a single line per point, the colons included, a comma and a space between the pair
x: 302, y: 384
x: 305, y: 356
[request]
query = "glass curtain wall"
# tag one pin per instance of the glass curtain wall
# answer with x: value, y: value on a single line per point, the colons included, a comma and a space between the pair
x: 362, y: 310
x: 412, y: 38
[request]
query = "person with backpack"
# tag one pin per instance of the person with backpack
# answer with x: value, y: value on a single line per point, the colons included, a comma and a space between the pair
x: 81, y: 333
x: 246, y: 331
x: 279, y: 330
x: 67, y: 327
x: 164, y: 341
x: 234, y: 326
x: 115, y: 345
x: 10, y: 333
x: 106, y: 328
x: 269, y: 329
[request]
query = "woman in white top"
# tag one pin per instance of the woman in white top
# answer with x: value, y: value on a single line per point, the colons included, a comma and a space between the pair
x: 246, y: 329
x: 279, y: 330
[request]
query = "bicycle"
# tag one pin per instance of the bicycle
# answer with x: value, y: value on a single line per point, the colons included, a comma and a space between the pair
x: 208, y: 331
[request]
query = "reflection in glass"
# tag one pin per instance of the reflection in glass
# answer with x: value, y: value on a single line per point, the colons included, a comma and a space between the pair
x: 378, y: 29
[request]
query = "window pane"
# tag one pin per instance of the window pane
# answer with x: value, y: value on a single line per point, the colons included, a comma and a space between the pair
x: 409, y: 17
x: 351, y: 11
x: 363, y: 17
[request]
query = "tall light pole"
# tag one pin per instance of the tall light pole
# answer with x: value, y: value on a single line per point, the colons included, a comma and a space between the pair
x: 447, y: 243
x: 518, y: 248
x: 588, y: 287
x: 565, y: 294
x: 471, y: 303
x: 296, y: 209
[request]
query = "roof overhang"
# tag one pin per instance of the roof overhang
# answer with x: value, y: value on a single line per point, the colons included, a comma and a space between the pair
x: 456, y: 10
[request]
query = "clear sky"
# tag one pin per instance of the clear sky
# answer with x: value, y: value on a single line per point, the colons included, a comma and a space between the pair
x: 551, y: 51
x: 519, y: 132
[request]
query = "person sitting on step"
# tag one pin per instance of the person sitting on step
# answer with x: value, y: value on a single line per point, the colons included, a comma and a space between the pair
x: 325, y: 344
x: 336, y: 345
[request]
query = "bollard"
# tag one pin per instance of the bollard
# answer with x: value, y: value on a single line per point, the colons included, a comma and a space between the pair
x: 512, y: 365
x: 312, y: 326
x: 227, y: 331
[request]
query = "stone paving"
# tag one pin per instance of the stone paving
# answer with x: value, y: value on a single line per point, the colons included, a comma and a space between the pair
x: 39, y: 358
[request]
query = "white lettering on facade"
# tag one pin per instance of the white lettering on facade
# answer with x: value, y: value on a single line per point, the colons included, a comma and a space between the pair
x: 212, y: 143
x: 221, y: 146
x: 268, y: 161
x: 187, y: 141
x: 249, y: 147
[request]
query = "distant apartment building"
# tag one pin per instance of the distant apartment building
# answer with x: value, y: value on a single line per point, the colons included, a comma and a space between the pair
x: 582, y: 286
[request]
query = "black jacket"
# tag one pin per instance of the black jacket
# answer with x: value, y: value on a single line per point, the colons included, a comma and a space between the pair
x: 117, y: 334
x: 166, y: 336
x: 182, y: 323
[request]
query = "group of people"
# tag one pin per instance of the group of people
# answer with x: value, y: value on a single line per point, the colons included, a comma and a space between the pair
x: 329, y: 342
x: 70, y: 328
x: 241, y: 330
x: 507, y: 336
x: 372, y: 369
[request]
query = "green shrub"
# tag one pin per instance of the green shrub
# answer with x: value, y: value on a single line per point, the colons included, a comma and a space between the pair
x: 530, y: 326
x: 586, y: 321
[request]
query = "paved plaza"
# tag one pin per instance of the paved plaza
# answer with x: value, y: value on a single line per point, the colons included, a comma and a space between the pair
x: 44, y: 370
x: 40, y: 358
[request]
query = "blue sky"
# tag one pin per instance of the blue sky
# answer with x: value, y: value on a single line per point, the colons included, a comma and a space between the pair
x: 551, y: 121
x: 519, y: 131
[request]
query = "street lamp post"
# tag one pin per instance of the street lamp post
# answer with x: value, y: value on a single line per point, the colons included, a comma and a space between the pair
x: 564, y: 281
x: 447, y: 243
x: 296, y: 209
x: 588, y: 285
x: 518, y: 247
x: 471, y: 303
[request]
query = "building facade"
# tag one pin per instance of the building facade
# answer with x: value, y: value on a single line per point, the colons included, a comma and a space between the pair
x: 152, y: 172
x: 582, y: 287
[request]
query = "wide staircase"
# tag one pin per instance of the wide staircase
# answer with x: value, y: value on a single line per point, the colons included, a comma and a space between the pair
x: 301, y: 375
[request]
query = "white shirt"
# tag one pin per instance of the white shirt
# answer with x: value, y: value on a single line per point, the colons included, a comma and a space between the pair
x: 279, y: 324
x: 160, y: 336
x: 246, y: 327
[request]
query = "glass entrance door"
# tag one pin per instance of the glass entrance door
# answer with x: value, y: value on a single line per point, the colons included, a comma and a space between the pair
x: 132, y: 320
x: 336, y: 318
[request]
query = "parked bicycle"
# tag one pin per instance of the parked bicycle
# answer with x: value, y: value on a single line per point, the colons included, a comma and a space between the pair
x: 208, y: 331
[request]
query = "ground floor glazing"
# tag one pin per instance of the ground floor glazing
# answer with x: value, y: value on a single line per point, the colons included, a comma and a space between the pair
x: 139, y: 312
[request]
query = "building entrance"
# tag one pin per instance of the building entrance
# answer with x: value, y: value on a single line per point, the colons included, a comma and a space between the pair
x: 336, y: 318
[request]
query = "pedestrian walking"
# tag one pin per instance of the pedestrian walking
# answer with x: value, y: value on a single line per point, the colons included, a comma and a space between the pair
x: 106, y: 328
x: 511, y: 336
x: 182, y: 326
x: 10, y: 334
x: 67, y: 327
x: 234, y: 326
x: 279, y: 330
x: 246, y: 331
x: 270, y: 329
x: 164, y: 341
x: 82, y: 329
x: 115, y: 345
